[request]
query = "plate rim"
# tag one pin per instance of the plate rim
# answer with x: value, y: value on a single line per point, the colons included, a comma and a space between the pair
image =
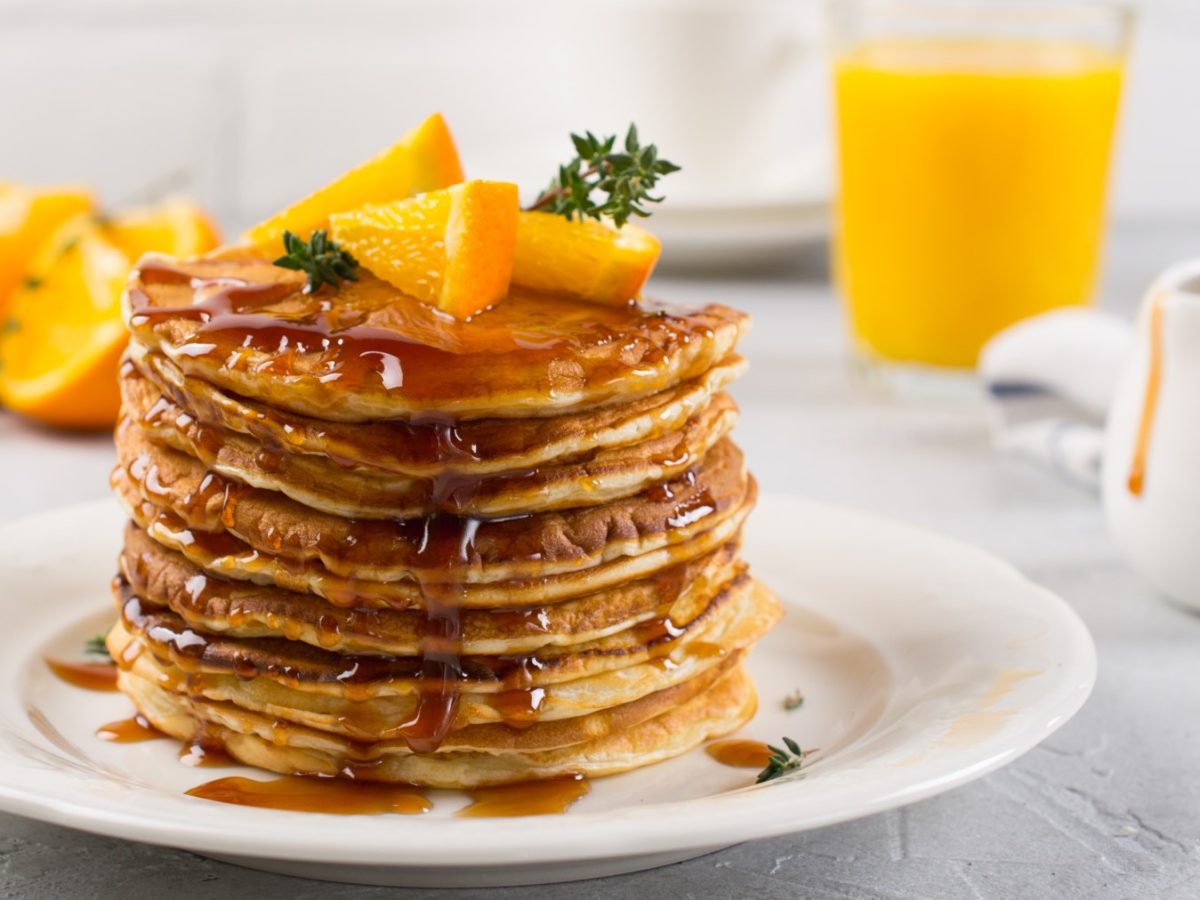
x: 743, y: 814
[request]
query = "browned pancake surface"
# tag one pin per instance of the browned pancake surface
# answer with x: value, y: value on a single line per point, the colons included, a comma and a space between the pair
x: 165, y: 578
x: 589, y: 480
x: 367, y: 351
x: 440, y: 548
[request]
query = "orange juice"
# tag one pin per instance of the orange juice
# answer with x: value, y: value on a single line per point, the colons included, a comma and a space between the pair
x: 972, y: 184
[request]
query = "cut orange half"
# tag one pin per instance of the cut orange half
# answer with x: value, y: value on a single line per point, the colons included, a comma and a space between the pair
x: 588, y: 260
x: 451, y: 248
x: 61, y: 343
x: 28, y: 216
x: 425, y: 159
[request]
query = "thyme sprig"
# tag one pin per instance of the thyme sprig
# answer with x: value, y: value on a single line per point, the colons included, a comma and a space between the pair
x: 783, y: 761
x: 95, y: 646
x: 320, y: 258
x: 625, y: 178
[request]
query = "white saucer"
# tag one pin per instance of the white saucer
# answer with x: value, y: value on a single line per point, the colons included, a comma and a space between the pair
x: 924, y: 664
x: 700, y: 238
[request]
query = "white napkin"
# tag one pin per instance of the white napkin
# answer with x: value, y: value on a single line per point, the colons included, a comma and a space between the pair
x: 1051, y: 379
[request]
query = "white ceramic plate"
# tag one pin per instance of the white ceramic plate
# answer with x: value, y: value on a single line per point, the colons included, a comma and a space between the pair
x: 698, y: 238
x: 925, y: 663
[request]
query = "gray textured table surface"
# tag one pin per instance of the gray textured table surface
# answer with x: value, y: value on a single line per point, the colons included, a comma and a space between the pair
x: 1108, y: 807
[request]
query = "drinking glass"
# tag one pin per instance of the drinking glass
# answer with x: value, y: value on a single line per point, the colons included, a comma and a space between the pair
x: 973, y: 153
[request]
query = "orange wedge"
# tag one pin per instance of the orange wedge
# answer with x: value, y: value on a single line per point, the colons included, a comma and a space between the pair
x: 61, y: 344
x: 452, y: 248
x: 27, y: 218
x: 425, y: 159
x: 176, y: 227
x: 586, y: 259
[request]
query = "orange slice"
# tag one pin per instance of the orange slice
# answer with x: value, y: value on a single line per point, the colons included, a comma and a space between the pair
x: 176, y: 227
x: 60, y: 346
x: 586, y: 259
x: 425, y: 159
x: 28, y: 216
x: 452, y: 248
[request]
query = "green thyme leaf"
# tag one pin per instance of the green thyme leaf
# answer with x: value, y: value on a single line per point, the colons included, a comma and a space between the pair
x: 783, y: 761
x: 320, y: 258
x: 625, y: 179
x: 95, y: 646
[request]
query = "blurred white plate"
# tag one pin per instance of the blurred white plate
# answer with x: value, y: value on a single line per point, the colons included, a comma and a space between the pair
x: 699, y: 238
x: 924, y: 663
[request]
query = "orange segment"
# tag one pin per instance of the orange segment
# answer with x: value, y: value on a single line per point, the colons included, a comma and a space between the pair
x: 60, y: 346
x: 176, y: 227
x: 452, y: 248
x: 28, y: 216
x: 425, y: 159
x: 587, y: 259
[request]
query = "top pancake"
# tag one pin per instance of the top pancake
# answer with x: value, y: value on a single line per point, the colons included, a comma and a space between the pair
x: 368, y: 352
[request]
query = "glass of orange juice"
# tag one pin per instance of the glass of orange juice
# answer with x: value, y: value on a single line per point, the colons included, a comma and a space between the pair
x: 973, y: 153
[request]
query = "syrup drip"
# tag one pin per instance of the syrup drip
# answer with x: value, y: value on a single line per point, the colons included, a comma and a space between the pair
x: 527, y: 798
x: 129, y: 731
x: 92, y: 676
x: 520, y: 708
x: 205, y: 752
x: 449, y: 541
x: 741, y: 754
x: 336, y: 796
x: 1137, y: 468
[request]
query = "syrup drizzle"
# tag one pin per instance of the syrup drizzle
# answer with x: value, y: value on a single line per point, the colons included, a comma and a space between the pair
x: 741, y: 754
x: 300, y: 793
x: 133, y: 730
x: 204, y: 751
x: 442, y: 359
x: 526, y: 798
x: 92, y: 676
x: 1137, y: 468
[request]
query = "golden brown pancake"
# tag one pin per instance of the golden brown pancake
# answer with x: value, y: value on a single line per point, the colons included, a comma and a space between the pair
x: 164, y: 578
x: 239, y: 322
x: 733, y: 618
x: 223, y: 554
x: 436, y: 549
x: 530, y: 718
x: 320, y: 483
x: 425, y: 449
x: 260, y: 741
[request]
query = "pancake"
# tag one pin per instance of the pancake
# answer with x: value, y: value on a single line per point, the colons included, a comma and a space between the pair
x: 235, y: 320
x: 734, y: 617
x: 225, y: 555
x: 522, y: 734
x: 256, y: 740
x: 421, y: 449
x: 481, y: 719
x: 318, y: 482
x: 207, y: 602
x: 434, y: 549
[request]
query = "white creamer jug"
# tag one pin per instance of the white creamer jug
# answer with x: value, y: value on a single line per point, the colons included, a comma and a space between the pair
x: 1151, y: 475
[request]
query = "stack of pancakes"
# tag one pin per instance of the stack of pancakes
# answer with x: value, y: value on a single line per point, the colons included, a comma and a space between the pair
x: 369, y: 540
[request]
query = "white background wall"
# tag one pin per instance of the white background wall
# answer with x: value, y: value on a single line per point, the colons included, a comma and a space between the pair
x: 245, y: 103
